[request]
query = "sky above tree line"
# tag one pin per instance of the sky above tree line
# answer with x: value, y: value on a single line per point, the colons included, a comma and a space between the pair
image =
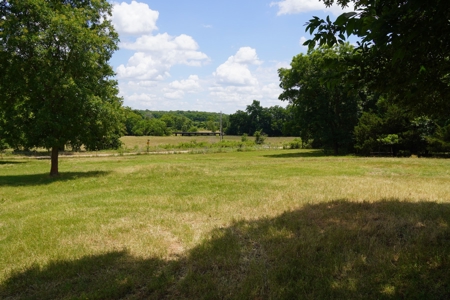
x: 208, y: 55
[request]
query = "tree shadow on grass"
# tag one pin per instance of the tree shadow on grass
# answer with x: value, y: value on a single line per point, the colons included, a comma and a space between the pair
x: 304, y: 153
x: 111, y: 275
x: 43, y: 179
x: 10, y: 162
x: 338, y: 250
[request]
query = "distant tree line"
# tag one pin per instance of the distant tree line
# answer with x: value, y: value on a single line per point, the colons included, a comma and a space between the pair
x: 272, y: 121
x: 161, y: 123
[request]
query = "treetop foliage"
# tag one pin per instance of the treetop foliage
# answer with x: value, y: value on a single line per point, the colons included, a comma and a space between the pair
x: 326, y: 104
x: 404, y: 47
x: 333, y: 111
x: 265, y: 120
x: 196, y: 116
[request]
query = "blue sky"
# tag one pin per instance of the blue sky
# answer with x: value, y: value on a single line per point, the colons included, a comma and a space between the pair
x: 208, y: 55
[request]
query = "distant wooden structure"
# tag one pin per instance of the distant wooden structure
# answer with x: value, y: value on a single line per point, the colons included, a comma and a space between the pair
x: 198, y: 133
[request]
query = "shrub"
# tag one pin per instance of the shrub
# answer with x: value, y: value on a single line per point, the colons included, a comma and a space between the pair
x: 296, y: 144
x: 259, y: 137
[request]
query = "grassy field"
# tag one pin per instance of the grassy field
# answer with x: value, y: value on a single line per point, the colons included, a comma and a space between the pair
x: 273, y: 224
x: 157, y: 144
x: 158, y: 141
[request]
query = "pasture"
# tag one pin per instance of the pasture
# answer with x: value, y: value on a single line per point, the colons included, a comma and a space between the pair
x: 267, y: 224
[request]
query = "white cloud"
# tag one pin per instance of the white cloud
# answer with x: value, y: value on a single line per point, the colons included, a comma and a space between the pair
x: 177, y: 89
x: 150, y: 101
x: 140, y: 100
x: 134, y: 19
x: 237, y: 83
x: 182, y: 49
x: 236, y: 95
x: 245, y: 55
x: 144, y: 84
x: 157, y: 54
x: 190, y: 85
x: 144, y: 67
x: 300, y: 6
x: 175, y: 95
x: 234, y: 74
x: 235, y: 71
x: 241, y: 96
x: 162, y: 42
x: 272, y: 91
x: 143, y: 79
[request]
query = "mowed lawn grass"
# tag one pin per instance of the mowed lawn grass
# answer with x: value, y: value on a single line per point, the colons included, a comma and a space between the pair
x: 277, y: 224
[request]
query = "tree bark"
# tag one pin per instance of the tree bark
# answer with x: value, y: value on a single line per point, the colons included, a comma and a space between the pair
x: 54, y: 162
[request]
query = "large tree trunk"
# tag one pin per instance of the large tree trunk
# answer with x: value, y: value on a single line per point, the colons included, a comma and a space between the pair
x: 54, y: 165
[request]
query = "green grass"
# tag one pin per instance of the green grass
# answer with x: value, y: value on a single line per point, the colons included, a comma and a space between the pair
x: 277, y: 224
x: 162, y: 144
x: 196, y: 144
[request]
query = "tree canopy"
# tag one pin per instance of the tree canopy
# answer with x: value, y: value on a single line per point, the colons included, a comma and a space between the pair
x: 56, y: 85
x: 266, y: 120
x: 325, y: 113
x: 404, y: 47
x: 333, y: 112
